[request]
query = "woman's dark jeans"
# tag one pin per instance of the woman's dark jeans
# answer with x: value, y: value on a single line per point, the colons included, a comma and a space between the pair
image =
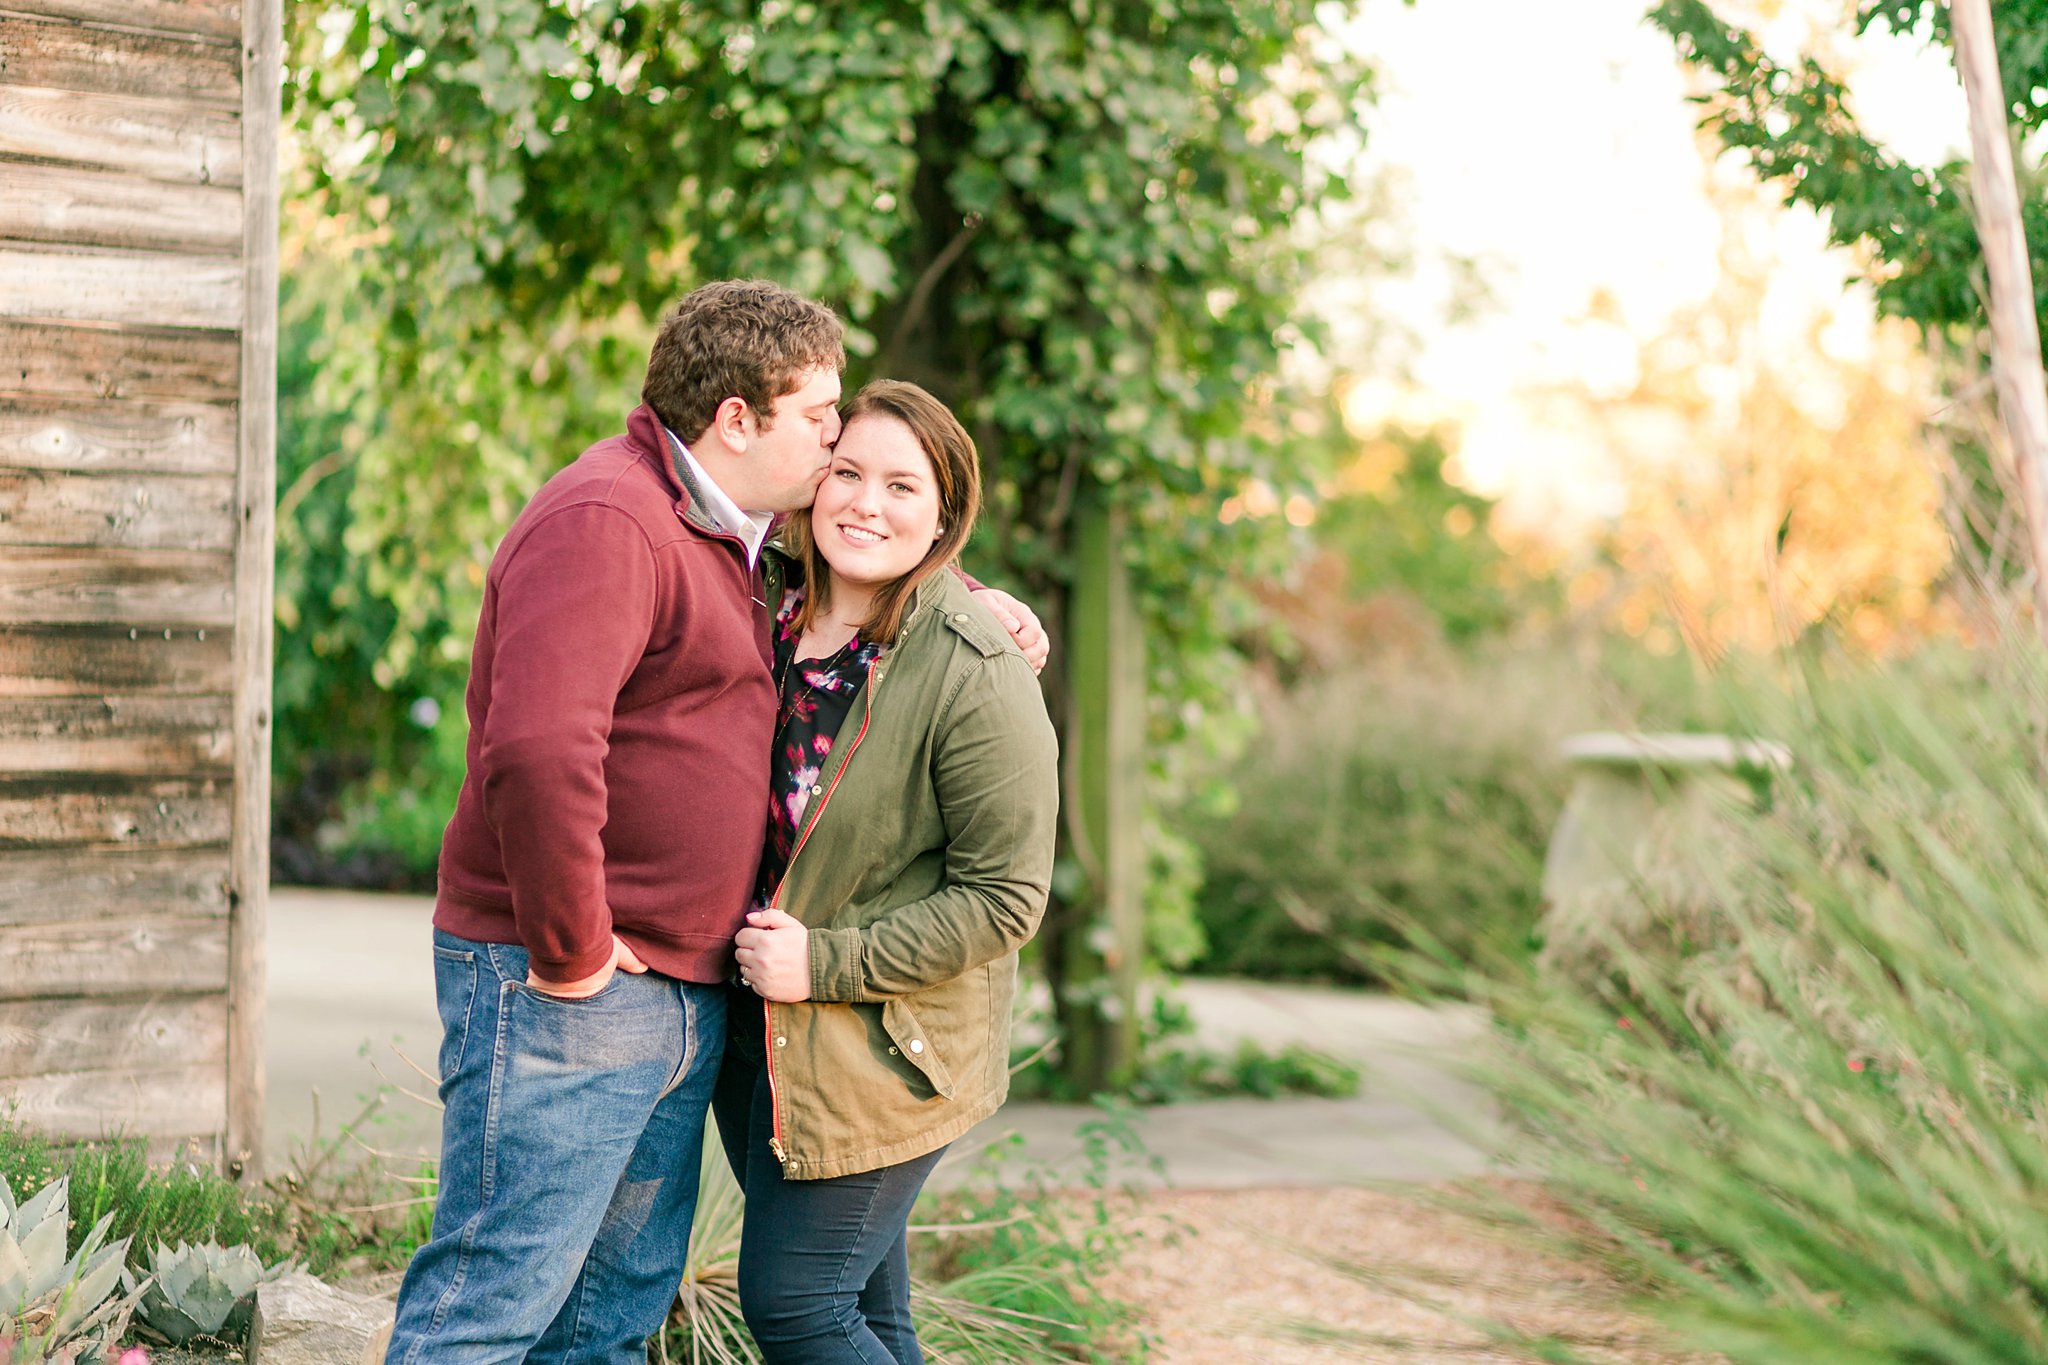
x: 824, y: 1264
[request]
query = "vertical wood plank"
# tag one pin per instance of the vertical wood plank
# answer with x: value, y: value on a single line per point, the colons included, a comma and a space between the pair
x: 249, y: 846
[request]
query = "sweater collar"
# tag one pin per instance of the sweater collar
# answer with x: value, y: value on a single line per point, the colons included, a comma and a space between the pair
x: 651, y: 440
x: 751, y: 527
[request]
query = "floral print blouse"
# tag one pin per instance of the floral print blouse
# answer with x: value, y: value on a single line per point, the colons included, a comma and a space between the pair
x: 815, y: 694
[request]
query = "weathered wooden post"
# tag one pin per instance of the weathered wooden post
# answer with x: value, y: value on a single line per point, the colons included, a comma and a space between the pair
x: 138, y: 286
x: 1103, y: 952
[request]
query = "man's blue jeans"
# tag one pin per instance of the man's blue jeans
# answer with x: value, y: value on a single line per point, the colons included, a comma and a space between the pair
x: 570, y: 1148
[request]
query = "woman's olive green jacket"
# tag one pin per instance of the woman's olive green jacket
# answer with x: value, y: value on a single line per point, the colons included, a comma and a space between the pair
x: 922, y: 863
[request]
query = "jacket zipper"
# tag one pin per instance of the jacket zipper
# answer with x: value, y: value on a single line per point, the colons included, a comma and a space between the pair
x: 816, y: 814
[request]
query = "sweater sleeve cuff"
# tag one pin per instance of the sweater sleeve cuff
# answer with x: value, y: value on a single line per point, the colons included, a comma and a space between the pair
x: 835, y: 965
x: 585, y: 963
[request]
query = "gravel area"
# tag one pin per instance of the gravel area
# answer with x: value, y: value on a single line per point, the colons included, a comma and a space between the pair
x: 1309, y: 1276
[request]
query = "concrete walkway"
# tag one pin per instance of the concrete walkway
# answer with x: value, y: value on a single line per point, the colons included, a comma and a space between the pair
x: 351, y: 998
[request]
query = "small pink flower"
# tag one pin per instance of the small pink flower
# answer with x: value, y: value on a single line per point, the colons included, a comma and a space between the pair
x: 134, y: 1355
x: 1623, y: 1023
x: 1855, y: 1063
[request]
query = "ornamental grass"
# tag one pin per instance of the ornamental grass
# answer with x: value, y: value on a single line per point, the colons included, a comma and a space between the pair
x: 1813, y: 1126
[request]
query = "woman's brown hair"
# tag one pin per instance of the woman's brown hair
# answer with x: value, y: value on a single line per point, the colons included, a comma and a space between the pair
x: 956, y: 470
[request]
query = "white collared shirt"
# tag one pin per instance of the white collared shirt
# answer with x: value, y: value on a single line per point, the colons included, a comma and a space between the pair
x: 750, y: 527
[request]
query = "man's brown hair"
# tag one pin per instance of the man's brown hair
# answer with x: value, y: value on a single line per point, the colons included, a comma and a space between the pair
x: 747, y: 339
x: 956, y: 469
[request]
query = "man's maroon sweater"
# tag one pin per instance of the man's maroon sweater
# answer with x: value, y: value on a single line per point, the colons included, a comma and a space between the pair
x: 621, y: 711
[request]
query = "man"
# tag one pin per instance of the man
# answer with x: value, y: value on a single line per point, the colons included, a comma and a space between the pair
x: 605, y: 840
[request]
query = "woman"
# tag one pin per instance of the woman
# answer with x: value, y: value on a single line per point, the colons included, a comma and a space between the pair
x: 909, y: 854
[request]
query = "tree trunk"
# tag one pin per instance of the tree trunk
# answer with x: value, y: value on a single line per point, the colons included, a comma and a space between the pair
x: 2015, y: 328
x: 1101, y: 947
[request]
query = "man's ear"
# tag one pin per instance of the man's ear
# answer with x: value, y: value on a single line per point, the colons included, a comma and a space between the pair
x: 731, y: 425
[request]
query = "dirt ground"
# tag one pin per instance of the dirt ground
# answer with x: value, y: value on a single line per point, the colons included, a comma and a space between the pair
x: 1330, y: 1276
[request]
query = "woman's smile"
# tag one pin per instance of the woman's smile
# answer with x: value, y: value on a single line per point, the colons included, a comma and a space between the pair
x: 877, y: 512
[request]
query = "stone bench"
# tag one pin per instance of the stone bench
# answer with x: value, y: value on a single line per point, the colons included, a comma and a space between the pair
x: 1647, y: 820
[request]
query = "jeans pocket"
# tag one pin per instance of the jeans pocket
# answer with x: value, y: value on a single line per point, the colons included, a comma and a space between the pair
x: 455, y: 976
x: 619, y: 1028
x: 602, y: 995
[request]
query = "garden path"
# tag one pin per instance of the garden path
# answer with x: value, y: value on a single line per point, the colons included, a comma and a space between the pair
x: 351, y: 997
x: 1274, y: 1232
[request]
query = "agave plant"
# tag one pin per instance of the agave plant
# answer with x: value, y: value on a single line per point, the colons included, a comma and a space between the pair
x: 52, y: 1307
x: 200, y: 1291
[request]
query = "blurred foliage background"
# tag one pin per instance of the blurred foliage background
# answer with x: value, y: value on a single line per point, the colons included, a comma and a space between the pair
x: 1802, y: 1109
x: 1104, y: 233
x: 1088, y: 227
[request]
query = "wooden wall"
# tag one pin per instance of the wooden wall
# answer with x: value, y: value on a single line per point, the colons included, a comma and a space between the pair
x: 137, y: 377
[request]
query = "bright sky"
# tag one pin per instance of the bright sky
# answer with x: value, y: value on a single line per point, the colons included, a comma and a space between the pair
x: 1560, y: 155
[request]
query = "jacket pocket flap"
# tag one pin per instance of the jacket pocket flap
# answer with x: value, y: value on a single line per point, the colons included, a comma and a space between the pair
x: 911, y: 1043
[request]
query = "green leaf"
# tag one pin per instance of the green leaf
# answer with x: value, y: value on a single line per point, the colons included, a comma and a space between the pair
x: 870, y: 265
